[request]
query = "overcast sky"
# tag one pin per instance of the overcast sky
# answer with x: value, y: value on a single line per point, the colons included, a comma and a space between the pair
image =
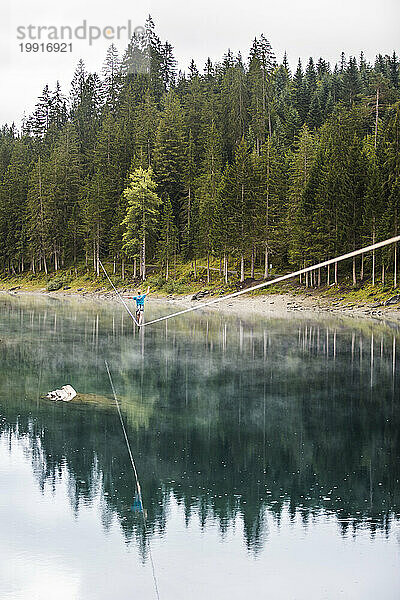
x: 196, y: 30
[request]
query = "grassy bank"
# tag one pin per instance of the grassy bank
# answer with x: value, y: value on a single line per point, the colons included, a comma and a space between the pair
x: 182, y: 282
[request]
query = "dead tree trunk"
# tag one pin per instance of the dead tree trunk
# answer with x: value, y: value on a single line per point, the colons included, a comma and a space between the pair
x: 242, y: 268
x: 266, y: 261
x: 373, y: 255
x: 376, y: 116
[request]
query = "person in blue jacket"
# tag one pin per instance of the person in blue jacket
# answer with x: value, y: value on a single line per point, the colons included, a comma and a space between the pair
x: 139, y: 298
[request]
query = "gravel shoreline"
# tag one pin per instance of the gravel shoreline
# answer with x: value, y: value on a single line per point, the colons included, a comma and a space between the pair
x: 278, y: 305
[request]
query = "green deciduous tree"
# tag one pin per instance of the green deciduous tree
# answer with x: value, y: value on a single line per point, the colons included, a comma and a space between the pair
x: 141, y: 217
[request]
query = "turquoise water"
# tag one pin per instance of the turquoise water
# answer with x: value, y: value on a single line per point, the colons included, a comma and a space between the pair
x: 268, y: 452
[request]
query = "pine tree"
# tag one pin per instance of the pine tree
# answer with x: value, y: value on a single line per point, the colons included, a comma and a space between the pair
x: 238, y: 192
x: 141, y: 216
x: 65, y: 166
x: 168, y: 241
x: 112, y: 78
x: 234, y: 104
x: 169, y: 160
x: 145, y: 123
x: 268, y: 202
x: 39, y: 216
x: 261, y: 63
x: 39, y: 121
x: 188, y: 215
x: 207, y: 193
x: 392, y: 179
x: 298, y: 220
x: 13, y: 193
x: 103, y: 190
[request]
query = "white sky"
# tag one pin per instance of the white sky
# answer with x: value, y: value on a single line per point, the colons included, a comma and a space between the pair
x: 196, y: 29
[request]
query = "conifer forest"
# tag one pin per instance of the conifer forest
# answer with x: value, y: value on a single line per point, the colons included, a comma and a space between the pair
x: 244, y: 163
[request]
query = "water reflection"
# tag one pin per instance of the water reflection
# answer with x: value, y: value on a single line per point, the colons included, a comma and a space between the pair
x: 230, y: 418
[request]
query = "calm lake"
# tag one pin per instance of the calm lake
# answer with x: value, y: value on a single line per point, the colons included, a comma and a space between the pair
x: 268, y: 452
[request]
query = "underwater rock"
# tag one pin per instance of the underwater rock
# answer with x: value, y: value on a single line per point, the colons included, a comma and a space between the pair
x: 66, y: 393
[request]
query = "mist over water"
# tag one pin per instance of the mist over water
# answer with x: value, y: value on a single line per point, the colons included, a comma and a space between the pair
x: 268, y: 452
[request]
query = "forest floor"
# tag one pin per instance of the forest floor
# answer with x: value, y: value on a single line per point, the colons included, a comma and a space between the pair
x: 381, y: 302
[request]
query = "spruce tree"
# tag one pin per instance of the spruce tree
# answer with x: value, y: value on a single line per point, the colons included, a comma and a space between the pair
x: 168, y: 239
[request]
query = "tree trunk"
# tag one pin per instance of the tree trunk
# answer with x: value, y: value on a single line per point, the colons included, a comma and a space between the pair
x: 336, y: 274
x: 319, y: 276
x: 362, y: 268
x: 266, y: 265
x: 242, y: 268
x: 166, y: 270
x: 252, y: 263
x: 98, y: 258
x: 373, y: 267
x: 376, y: 116
x: 354, y: 272
x: 395, y: 251
x: 114, y: 265
x: 328, y: 275
x: 195, y: 267
x: 373, y: 255
x: 208, y: 268
x: 123, y: 268
x: 134, y: 268
x: 225, y: 268
x: 383, y: 273
x: 144, y: 258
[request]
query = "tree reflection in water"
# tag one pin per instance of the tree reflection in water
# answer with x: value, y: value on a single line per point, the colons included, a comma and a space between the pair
x: 234, y: 419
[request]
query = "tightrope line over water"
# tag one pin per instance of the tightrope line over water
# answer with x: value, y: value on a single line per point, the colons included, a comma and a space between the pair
x: 139, y: 489
x: 277, y: 279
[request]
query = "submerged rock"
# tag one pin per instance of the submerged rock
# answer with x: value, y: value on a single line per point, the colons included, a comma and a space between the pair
x: 94, y: 399
x: 65, y: 394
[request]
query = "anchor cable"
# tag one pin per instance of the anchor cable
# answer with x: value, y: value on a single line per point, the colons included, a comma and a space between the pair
x: 119, y: 295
